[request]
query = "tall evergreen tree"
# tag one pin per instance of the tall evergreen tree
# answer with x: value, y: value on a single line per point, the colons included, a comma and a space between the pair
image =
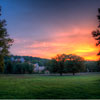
x: 96, y: 33
x: 5, y: 42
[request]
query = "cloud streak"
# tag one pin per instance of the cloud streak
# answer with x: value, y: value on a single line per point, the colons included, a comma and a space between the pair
x: 81, y: 44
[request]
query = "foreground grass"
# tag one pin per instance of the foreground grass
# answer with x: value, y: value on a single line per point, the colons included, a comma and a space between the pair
x: 49, y: 87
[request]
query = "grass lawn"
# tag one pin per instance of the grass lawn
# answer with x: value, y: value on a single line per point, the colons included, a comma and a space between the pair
x: 49, y: 87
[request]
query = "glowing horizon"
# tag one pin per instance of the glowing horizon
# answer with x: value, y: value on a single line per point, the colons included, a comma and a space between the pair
x: 84, y: 47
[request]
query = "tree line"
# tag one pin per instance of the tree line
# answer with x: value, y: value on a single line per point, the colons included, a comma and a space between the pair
x: 18, y: 68
x: 61, y: 63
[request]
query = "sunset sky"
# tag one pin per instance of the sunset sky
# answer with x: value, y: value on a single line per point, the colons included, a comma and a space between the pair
x: 44, y: 28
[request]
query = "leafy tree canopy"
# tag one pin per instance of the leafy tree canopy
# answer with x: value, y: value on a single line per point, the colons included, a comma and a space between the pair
x: 5, y: 42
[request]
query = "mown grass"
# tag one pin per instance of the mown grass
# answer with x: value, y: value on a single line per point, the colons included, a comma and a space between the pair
x: 49, y: 87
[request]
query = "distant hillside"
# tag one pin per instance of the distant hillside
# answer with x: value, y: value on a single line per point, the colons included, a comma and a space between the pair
x: 40, y: 61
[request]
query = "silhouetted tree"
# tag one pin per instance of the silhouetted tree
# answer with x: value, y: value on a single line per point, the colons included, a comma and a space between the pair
x: 67, y: 63
x: 5, y: 43
x: 57, y: 64
x: 53, y: 66
x: 74, y: 64
x: 96, y: 35
x: 8, y: 67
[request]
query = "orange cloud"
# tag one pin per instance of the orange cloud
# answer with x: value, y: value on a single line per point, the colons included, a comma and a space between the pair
x: 77, y: 40
x: 50, y: 49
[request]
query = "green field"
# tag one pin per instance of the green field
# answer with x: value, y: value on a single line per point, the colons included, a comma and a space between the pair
x: 50, y: 87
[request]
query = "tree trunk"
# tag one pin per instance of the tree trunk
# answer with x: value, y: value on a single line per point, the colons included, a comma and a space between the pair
x: 1, y: 64
x: 60, y: 74
x: 73, y: 73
